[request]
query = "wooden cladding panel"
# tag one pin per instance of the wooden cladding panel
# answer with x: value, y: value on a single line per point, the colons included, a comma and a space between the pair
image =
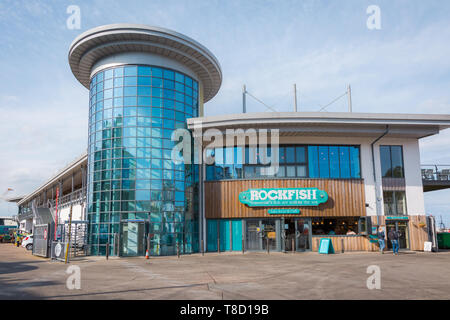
x: 417, y: 234
x: 356, y: 243
x: 345, y: 198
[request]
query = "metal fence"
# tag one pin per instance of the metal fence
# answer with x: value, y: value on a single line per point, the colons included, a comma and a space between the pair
x: 75, y: 234
x: 436, y: 172
x: 42, y: 233
x: 78, y: 237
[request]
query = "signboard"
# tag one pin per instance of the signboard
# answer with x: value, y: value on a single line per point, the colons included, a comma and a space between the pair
x: 284, y: 211
x: 326, y: 246
x: 283, y: 197
x: 374, y: 230
x: 271, y: 235
x: 427, y: 246
x: 397, y: 218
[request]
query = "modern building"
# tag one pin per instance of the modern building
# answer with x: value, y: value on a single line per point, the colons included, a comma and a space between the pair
x: 340, y: 175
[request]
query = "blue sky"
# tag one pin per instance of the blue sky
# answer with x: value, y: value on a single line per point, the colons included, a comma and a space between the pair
x: 267, y: 44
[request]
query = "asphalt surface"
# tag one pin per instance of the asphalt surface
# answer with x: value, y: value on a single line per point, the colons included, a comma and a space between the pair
x: 411, y: 275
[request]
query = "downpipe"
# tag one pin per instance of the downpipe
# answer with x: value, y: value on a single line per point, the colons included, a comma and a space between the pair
x: 374, y: 173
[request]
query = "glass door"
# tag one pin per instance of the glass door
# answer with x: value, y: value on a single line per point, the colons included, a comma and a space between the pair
x: 253, y: 235
x: 402, y: 228
x: 289, y: 234
x: 303, y: 234
x: 403, y: 240
x: 132, y: 239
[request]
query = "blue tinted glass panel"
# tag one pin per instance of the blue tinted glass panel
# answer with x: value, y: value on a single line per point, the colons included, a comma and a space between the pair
x: 129, y: 91
x: 130, y: 71
x: 224, y: 234
x: 300, y: 154
x: 130, y: 81
x: 344, y: 157
x: 313, y: 161
x: 385, y: 159
x: 397, y: 161
x: 168, y: 74
x: 144, y: 71
x: 334, y: 162
x: 118, y: 72
x: 324, y: 164
x: 144, y: 81
x: 354, y: 162
x: 237, y: 235
x: 290, y: 154
x: 212, y: 235
x: 144, y: 91
x: 210, y: 173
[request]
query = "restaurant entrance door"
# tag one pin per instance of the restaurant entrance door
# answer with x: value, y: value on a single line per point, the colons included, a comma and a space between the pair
x: 297, y: 233
x: 400, y: 226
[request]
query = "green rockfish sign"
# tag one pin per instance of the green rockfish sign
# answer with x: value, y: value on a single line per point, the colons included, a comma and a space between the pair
x: 283, y: 197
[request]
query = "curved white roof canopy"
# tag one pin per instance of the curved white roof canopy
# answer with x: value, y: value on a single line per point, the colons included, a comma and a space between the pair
x: 103, y: 41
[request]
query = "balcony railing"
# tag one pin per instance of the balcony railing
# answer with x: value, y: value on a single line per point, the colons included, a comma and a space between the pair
x: 435, y: 172
x: 75, y: 197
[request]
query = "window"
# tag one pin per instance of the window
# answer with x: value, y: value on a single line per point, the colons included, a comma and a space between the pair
x: 334, y: 162
x: 391, y: 158
x: 338, y: 226
x: 296, y: 161
x: 394, y: 203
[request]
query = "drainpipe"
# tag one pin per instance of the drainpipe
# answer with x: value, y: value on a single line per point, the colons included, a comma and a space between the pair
x: 374, y: 172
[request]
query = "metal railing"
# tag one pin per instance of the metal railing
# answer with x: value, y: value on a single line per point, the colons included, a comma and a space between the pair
x: 75, y: 197
x: 435, y: 172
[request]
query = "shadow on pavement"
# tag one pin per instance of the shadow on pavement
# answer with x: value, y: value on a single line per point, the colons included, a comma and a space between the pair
x: 13, y: 288
x: 17, y: 266
x: 125, y: 291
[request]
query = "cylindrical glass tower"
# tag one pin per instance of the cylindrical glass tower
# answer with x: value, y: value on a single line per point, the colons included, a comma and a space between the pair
x: 144, y: 83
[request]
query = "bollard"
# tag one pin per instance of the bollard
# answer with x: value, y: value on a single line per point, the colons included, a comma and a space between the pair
x: 243, y: 246
x: 148, y: 245
x: 342, y: 243
x: 293, y: 245
x: 107, y: 250
x: 268, y: 249
x: 178, y: 250
x: 202, y: 248
x: 218, y: 244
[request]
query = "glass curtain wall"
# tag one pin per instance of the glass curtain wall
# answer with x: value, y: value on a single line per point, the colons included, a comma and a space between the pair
x: 133, y: 112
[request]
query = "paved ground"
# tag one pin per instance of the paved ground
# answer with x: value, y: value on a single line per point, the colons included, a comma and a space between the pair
x: 228, y: 276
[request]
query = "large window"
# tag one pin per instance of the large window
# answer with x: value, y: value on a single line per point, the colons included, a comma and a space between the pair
x: 394, y: 203
x: 391, y: 158
x: 295, y: 161
x: 339, y: 226
x: 334, y: 162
